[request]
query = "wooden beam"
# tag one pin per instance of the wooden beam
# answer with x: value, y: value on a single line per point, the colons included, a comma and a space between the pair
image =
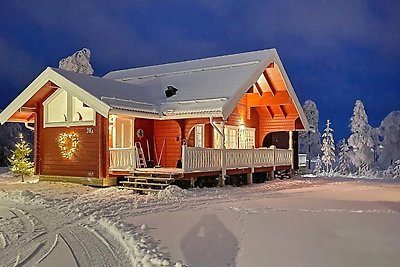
x: 280, y: 98
x: 269, y: 110
x: 282, y: 109
x: 258, y: 87
x: 269, y: 82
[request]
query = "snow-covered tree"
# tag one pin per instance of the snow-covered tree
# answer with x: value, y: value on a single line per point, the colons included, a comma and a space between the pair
x: 361, y: 141
x: 344, y: 160
x: 328, y: 147
x: 77, y: 62
x: 309, y: 142
x: 318, y: 166
x: 19, y: 160
x: 396, y: 169
x: 390, y: 132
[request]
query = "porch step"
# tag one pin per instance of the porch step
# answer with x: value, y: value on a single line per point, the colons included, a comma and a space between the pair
x: 138, y: 189
x: 146, y: 184
x: 150, y: 178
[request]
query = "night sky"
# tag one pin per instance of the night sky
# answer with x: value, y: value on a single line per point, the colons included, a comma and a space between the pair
x: 334, y: 52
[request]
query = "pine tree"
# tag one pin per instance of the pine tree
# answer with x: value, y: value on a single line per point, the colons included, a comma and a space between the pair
x: 318, y: 166
x: 19, y: 160
x: 360, y: 141
x: 344, y: 161
x: 328, y: 147
x: 309, y: 142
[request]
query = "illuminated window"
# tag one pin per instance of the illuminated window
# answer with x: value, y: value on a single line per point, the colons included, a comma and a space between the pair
x: 235, y: 137
x: 56, y: 109
x: 247, y: 138
x: 80, y: 111
x: 63, y: 109
x: 199, y: 135
x: 231, y: 136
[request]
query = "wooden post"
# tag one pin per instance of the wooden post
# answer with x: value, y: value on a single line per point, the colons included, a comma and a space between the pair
x: 114, y: 131
x: 249, y: 178
x: 133, y: 156
x: 291, y: 148
x: 250, y: 175
x: 223, y: 157
x: 183, y: 156
x: 273, y: 157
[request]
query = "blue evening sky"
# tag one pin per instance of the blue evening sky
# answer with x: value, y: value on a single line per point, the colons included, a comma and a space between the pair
x: 335, y: 52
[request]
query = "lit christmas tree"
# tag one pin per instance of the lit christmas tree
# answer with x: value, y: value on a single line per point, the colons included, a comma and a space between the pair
x: 21, y: 165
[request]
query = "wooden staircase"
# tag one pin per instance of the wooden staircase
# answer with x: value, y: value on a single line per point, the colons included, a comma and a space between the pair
x: 147, y: 182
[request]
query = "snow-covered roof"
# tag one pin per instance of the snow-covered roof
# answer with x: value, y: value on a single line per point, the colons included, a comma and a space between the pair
x: 208, y: 87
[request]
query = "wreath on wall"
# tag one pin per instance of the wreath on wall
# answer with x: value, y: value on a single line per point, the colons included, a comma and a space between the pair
x: 67, y: 151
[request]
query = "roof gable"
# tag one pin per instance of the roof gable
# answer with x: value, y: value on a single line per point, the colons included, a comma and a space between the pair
x: 50, y: 75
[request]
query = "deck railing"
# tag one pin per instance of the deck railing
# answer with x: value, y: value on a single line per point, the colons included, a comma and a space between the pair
x: 283, y: 157
x: 122, y: 158
x: 196, y: 159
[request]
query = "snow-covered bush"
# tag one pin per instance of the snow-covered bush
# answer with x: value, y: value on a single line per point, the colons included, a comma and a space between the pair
x: 328, y: 147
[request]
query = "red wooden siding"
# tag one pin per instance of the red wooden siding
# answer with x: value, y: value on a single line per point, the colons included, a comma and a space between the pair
x: 170, y: 131
x: 187, y: 128
x: 148, y: 129
x: 208, y: 136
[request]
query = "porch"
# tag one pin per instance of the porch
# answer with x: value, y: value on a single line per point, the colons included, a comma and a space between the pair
x: 198, y: 161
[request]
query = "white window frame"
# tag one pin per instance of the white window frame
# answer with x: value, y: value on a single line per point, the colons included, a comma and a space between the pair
x: 231, y: 137
x: 199, y: 132
x: 69, y: 121
x: 247, y: 138
x: 238, y: 143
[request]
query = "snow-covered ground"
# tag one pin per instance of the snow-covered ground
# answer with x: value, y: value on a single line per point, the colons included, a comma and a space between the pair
x: 298, y: 222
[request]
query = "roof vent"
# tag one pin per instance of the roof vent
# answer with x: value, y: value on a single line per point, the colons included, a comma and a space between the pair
x: 170, y: 91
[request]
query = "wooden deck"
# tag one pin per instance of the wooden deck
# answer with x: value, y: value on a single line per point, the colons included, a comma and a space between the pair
x: 209, y: 162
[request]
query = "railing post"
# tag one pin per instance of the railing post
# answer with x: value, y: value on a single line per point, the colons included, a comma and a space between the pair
x: 183, y: 157
x: 273, y: 157
x: 250, y: 175
x: 133, y: 155
x: 291, y: 148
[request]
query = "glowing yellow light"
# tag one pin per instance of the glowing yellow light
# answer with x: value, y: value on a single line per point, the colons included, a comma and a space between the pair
x: 62, y: 140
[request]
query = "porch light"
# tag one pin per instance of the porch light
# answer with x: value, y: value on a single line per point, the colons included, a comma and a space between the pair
x: 241, y: 126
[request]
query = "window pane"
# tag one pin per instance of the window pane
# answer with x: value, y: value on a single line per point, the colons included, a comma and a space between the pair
x: 217, y: 139
x: 80, y: 111
x: 199, y: 136
x: 247, y: 138
x: 57, y: 108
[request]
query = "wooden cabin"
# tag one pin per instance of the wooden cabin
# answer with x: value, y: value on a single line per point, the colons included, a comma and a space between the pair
x: 234, y: 114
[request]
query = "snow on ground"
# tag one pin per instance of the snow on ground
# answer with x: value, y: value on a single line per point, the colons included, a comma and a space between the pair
x: 298, y: 222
